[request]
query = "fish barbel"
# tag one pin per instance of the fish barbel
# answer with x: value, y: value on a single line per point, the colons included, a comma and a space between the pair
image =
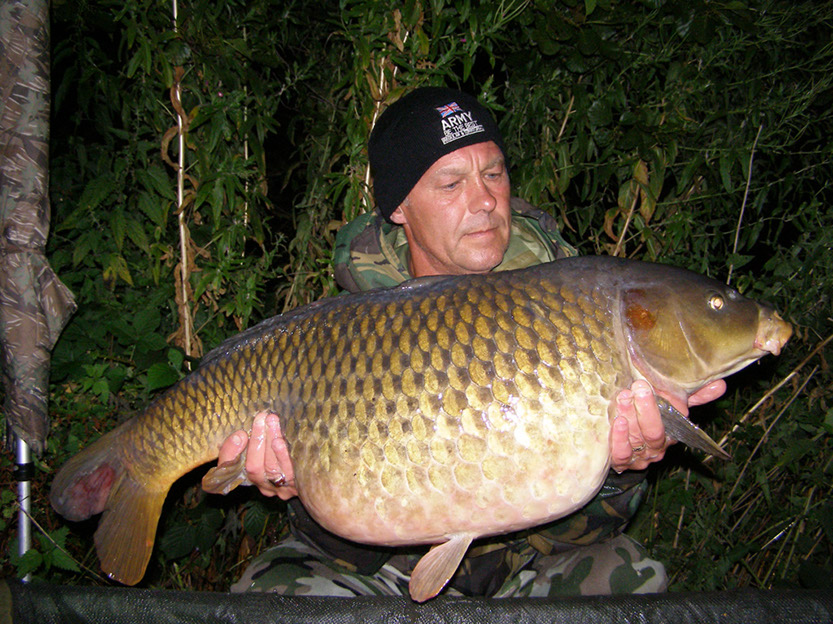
x: 436, y: 412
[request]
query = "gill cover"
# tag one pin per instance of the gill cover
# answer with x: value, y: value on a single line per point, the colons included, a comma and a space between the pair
x: 684, y: 327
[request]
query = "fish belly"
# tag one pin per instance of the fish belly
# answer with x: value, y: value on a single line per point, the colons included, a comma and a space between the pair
x: 487, y: 472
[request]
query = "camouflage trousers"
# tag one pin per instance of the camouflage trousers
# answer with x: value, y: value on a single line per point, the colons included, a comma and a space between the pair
x: 616, y: 566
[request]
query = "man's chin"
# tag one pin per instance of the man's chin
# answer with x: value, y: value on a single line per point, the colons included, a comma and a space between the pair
x: 480, y: 264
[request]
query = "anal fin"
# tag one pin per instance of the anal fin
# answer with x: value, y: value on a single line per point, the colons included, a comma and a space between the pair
x: 436, y: 568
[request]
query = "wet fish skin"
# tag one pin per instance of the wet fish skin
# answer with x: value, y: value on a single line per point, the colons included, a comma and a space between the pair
x: 437, y: 412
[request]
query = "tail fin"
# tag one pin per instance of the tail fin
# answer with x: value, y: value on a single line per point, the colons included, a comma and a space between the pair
x: 96, y: 480
x: 124, y: 538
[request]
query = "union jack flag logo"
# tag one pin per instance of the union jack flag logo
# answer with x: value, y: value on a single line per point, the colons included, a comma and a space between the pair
x: 449, y: 109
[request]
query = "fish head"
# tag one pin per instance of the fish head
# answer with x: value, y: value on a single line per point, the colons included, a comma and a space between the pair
x: 685, y: 330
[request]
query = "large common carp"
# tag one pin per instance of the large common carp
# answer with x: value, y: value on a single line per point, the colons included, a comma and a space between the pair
x: 437, y: 412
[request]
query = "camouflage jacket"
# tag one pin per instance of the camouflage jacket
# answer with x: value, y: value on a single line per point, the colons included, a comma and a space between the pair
x: 371, y: 253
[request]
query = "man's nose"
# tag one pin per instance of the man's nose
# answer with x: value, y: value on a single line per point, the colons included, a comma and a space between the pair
x: 484, y: 198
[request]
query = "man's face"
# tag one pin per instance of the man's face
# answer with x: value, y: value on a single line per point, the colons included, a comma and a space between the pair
x: 457, y: 216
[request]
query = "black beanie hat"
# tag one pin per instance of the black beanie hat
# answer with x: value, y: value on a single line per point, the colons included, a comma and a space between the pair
x: 416, y: 131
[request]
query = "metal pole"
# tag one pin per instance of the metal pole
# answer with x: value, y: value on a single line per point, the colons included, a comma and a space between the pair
x: 23, y: 472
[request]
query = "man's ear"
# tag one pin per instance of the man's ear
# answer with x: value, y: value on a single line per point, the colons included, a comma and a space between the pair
x: 398, y: 215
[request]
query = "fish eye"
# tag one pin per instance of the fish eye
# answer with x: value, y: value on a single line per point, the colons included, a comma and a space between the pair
x: 716, y: 302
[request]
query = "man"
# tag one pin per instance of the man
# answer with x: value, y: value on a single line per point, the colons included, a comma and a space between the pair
x: 442, y: 188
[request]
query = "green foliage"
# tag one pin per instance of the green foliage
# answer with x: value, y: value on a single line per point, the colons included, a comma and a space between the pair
x: 120, y: 228
x: 693, y: 133
x: 57, y: 552
x: 48, y: 552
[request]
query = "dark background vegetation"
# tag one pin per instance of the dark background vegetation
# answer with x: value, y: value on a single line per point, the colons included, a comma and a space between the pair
x: 691, y: 132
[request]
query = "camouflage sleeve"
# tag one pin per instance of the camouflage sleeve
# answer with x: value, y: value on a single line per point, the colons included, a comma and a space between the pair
x: 546, y: 226
x: 364, y: 258
x: 350, y: 556
x: 605, y: 516
x: 342, y: 262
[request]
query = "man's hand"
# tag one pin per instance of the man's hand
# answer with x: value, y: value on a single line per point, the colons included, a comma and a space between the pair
x: 638, y: 436
x: 268, y: 465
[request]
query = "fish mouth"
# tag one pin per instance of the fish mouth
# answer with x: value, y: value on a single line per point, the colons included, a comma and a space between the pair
x: 773, y: 332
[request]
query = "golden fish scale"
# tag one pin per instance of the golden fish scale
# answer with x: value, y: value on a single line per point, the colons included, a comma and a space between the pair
x: 471, y: 409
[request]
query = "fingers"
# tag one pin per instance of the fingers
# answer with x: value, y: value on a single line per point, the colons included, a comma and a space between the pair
x: 268, y: 465
x: 271, y: 465
x: 620, y: 448
x: 707, y: 393
x: 283, y: 462
x: 637, y: 434
x: 261, y: 464
x: 648, y: 429
x: 232, y: 447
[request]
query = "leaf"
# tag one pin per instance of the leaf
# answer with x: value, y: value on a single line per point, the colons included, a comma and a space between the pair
x: 97, y: 191
x: 177, y: 540
x: 153, y: 207
x: 254, y: 520
x: 115, y: 269
x: 101, y: 389
x: 148, y: 343
x: 209, y: 522
x: 739, y: 260
x: 725, y: 171
x: 84, y: 245
x: 136, y: 233
x: 134, y: 63
x: 155, y: 179
x: 813, y: 576
x: 28, y: 563
x: 63, y: 561
x: 161, y: 375
x: 828, y: 422
x: 599, y: 113
x: 543, y: 38
x: 118, y: 227
x: 176, y: 358
x: 146, y: 321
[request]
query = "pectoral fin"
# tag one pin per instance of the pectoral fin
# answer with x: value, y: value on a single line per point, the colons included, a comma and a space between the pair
x: 682, y: 429
x: 437, y: 567
x: 224, y: 477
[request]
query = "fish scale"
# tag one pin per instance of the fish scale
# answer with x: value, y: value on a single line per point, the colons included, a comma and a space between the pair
x: 437, y: 412
x: 457, y: 413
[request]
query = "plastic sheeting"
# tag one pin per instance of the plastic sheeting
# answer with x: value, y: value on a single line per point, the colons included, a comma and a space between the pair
x: 46, y: 604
